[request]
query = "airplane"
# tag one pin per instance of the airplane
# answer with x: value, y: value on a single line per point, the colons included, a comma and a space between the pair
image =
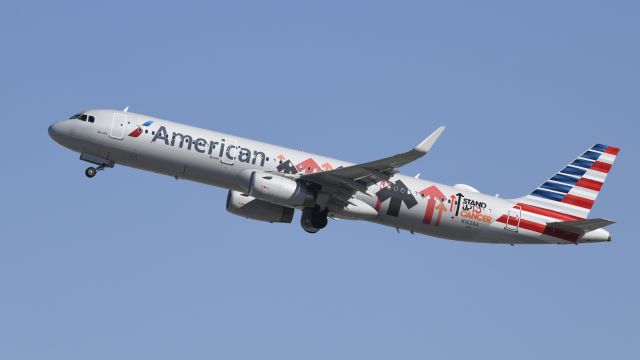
x: 268, y: 182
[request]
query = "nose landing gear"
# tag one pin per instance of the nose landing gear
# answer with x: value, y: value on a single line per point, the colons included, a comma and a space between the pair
x: 313, y: 219
x: 101, y: 162
x: 91, y: 171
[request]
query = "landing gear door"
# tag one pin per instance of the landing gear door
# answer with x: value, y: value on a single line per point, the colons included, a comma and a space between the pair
x: 513, y: 219
x: 117, y: 126
x: 229, y: 152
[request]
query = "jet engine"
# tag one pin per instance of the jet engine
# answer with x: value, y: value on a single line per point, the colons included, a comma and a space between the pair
x: 279, y: 190
x: 251, y: 208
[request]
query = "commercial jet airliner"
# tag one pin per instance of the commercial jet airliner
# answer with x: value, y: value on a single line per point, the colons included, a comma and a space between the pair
x: 268, y: 182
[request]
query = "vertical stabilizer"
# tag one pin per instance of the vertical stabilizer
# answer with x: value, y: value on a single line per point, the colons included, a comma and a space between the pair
x: 570, y: 193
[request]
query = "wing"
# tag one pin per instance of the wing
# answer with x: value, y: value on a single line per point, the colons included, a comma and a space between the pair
x: 340, y: 184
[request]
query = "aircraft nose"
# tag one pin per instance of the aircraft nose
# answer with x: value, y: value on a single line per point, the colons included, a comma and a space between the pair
x: 60, y: 132
x: 54, y: 131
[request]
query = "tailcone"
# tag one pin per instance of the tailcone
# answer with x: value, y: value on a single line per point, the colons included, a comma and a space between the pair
x: 598, y: 235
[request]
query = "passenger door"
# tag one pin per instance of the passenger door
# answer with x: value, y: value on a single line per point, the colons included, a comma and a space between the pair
x: 117, y: 126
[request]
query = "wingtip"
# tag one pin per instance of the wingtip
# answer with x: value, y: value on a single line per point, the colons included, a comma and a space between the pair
x: 427, y: 143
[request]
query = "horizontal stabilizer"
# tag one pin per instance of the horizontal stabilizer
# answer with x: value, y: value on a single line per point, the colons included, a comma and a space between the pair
x: 580, y: 226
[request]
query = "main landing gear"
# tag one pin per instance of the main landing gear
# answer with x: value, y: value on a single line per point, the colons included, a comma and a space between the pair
x: 91, y: 171
x: 314, y: 219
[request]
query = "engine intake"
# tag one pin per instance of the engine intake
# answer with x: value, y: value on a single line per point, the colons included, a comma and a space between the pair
x: 251, y: 208
x: 279, y: 190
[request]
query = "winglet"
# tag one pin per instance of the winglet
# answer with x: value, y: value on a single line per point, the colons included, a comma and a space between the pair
x: 427, y: 143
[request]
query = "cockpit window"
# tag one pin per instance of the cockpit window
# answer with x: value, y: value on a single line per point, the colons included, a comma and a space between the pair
x: 83, y: 117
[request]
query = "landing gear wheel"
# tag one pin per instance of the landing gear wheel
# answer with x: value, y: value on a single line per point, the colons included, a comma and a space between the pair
x: 91, y: 172
x: 310, y: 230
x: 319, y: 220
x: 313, y: 219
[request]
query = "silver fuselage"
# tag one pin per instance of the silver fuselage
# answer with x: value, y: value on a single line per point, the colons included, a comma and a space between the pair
x: 217, y: 159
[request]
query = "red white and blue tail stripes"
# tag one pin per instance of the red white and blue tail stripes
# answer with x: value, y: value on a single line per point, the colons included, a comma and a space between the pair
x: 574, y: 189
x: 567, y: 196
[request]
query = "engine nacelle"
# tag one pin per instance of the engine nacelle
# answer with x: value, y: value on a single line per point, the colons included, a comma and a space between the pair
x: 251, y: 208
x: 279, y: 190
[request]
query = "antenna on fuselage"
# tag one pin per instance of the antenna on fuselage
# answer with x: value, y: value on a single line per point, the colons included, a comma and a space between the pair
x: 126, y: 109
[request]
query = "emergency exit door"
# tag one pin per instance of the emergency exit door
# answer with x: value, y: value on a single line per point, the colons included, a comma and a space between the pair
x: 513, y: 219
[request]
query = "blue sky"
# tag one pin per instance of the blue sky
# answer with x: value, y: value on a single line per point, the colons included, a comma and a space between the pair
x: 132, y: 264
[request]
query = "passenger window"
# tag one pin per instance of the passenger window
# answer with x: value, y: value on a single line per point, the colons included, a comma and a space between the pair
x: 83, y: 117
x: 91, y: 119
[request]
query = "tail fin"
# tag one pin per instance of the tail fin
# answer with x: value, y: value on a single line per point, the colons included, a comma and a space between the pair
x: 570, y: 194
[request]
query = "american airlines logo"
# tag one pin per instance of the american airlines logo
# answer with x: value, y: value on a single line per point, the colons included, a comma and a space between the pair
x: 138, y: 130
x: 210, y: 147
